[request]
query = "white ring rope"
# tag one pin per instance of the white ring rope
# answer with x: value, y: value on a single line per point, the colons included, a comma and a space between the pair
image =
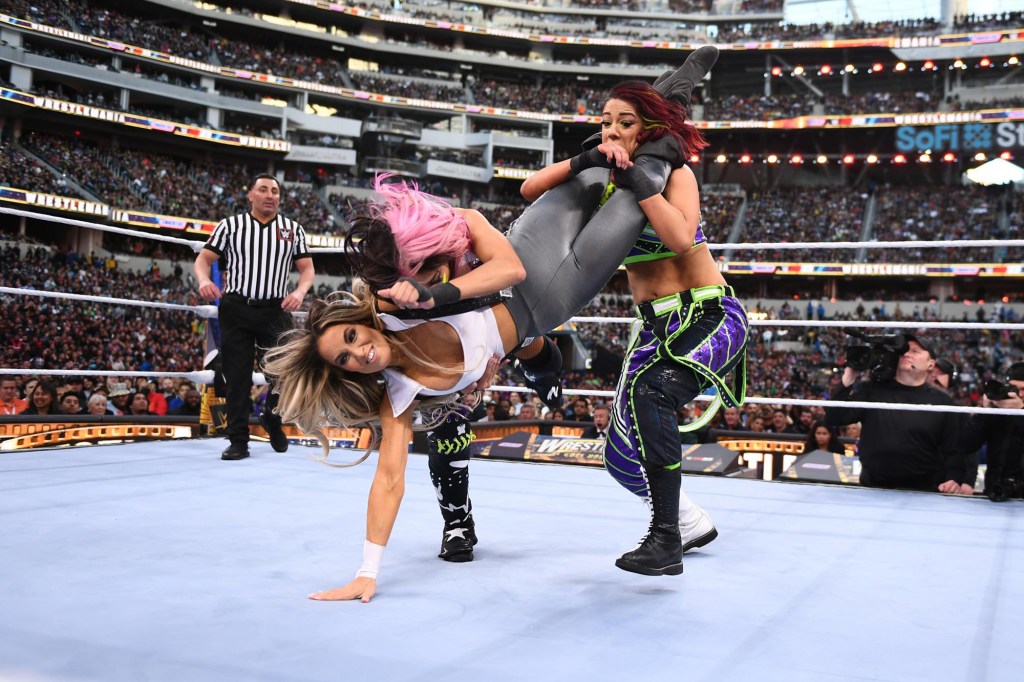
x: 191, y: 243
x: 891, y: 324
x: 209, y: 311
x: 207, y: 376
x: 798, y: 401
x: 200, y: 377
x: 206, y: 311
x: 194, y: 244
x: 204, y: 376
x: 754, y: 246
x: 908, y: 244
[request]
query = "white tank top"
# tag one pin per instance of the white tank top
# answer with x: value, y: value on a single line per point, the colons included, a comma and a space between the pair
x: 478, y: 331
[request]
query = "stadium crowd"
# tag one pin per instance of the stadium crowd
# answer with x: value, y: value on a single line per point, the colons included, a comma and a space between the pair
x: 504, y: 18
x: 48, y: 333
x: 801, y: 214
x: 148, y: 181
x: 158, y: 183
x: 938, y: 214
x: 557, y: 96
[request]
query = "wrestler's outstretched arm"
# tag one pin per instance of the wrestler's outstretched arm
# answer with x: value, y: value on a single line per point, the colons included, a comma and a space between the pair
x: 500, y: 268
x: 386, y: 494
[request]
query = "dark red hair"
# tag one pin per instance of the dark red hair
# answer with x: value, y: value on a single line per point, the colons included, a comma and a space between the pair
x: 659, y: 116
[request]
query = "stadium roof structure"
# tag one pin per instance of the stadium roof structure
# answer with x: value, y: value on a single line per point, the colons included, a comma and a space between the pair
x: 996, y: 172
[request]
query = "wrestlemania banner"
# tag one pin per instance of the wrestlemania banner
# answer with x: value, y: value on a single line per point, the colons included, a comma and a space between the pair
x: 531, y: 447
x: 142, y: 121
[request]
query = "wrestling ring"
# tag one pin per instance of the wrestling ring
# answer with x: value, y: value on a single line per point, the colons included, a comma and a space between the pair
x: 145, y: 556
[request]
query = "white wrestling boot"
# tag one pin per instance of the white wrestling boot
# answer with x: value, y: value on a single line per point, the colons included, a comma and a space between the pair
x: 696, y: 528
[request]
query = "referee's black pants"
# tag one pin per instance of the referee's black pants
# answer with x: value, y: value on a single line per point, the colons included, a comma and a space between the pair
x: 247, y: 331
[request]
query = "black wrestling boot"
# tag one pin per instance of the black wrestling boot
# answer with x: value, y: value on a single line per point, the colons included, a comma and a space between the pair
x: 661, y: 550
x: 271, y: 423
x: 678, y: 85
x: 547, y: 386
x: 543, y: 374
x: 235, y: 451
x: 458, y: 541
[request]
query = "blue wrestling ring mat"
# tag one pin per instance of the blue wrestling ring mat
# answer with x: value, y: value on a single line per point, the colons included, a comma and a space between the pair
x: 158, y: 561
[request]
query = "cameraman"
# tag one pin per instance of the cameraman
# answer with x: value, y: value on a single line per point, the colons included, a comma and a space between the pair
x: 946, y: 375
x: 902, y: 448
x: 1003, y: 434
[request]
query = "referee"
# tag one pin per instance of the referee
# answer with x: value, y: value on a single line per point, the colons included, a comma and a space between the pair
x: 256, y: 251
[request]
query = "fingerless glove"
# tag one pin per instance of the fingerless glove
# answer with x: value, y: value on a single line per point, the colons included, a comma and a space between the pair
x: 642, y: 177
x: 588, y: 159
x: 443, y: 294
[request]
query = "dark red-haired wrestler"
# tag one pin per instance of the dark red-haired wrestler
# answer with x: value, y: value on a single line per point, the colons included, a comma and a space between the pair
x: 690, y: 331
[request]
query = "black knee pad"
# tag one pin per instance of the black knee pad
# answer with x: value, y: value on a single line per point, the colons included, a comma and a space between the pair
x: 547, y: 361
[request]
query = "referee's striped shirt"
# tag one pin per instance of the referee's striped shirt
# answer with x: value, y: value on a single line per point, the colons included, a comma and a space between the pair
x: 256, y: 258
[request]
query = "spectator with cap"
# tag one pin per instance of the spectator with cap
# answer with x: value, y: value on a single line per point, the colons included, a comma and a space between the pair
x: 119, y: 394
x: 944, y: 374
x: 75, y: 385
x: 780, y: 422
x: 911, y: 449
x: 489, y: 411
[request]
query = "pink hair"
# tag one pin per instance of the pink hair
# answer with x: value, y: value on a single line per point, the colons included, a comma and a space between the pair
x: 423, y: 225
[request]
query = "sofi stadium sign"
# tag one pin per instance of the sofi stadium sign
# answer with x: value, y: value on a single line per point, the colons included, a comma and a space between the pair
x: 955, y: 138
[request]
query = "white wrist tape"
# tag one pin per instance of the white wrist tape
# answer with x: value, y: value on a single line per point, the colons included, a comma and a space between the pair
x: 372, y: 556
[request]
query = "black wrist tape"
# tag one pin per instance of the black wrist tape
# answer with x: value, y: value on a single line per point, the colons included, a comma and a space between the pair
x: 445, y: 294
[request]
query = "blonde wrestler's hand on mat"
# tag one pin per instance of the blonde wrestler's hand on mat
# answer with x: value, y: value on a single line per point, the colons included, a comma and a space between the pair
x: 360, y: 588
